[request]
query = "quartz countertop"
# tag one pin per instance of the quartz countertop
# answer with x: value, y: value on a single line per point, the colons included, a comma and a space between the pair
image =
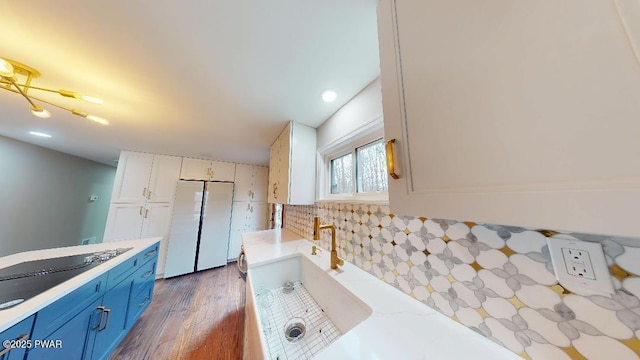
x: 11, y: 316
x: 400, y: 326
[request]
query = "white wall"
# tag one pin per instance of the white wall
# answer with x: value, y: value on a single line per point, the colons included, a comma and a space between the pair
x: 44, y: 197
x: 361, y: 109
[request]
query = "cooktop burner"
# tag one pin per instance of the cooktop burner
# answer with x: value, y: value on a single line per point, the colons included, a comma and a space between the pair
x: 25, y: 280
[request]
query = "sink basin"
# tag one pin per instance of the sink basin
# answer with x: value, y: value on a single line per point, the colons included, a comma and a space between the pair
x: 294, y: 288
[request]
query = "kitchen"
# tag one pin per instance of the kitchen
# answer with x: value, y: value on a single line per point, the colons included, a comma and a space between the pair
x: 495, y: 279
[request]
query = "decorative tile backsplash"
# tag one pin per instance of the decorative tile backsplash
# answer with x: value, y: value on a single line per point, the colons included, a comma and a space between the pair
x: 497, y: 280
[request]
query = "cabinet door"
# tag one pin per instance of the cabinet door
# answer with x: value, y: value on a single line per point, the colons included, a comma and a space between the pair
x: 19, y: 332
x: 132, y: 177
x: 499, y: 123
x: 77, y: 336
x: 240, y: 215
x: 157, y: 220
x: 113, y: 327
x: 164, y: 177
x: 195, y: 169
x: 274, y: 165
x: 222, y: 171
x: 235, y: 243
x: 257, y: 217
x: 243, y: 189
x: 260, y: 183
x: 124, y: 222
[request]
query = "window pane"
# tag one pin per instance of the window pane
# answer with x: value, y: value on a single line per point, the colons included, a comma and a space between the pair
x: 341, y: 175
x: 372, y: 166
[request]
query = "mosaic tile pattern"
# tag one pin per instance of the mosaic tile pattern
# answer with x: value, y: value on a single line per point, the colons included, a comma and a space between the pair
x: 497, y: 280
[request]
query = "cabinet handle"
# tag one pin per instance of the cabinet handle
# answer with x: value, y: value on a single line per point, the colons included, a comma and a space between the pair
x: 251, y: 193
x: 144, y: 192
x: 20, y: 338
x: 148, y: 194
x: 141, y: 207
x: 150, y: 252
x: 106, y: 323
x: 143, y: 302
x: 147, y: 274
x: 146, y: 213
x: 390, y: 166
x: 101, y: 308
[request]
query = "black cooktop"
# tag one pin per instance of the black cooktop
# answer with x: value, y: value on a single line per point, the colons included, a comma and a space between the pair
x: 25, y: 280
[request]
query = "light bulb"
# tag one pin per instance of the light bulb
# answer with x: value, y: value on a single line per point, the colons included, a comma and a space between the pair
x: 6, y: 69
x: 99, y: 120
x: 329, y: 96
x: 40, y: 112
x: 92, y: 99
x: 36, y: 133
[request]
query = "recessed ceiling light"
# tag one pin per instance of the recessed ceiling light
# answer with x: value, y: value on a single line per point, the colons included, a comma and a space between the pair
x: 36, y: 133
x: 329, y: 96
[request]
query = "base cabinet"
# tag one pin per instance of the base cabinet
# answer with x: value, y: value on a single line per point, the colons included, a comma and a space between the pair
x: 76, y: 337
x: 90, y: 322
x: 19, y: 332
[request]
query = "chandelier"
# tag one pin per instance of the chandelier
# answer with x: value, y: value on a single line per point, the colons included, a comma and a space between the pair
x: 16, y: 77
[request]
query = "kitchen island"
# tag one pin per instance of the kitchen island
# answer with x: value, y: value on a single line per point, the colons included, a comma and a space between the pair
x: 398, y: 327
x: 86, y: 316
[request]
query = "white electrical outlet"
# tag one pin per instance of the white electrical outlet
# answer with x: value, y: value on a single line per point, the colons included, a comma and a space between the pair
x: 578, y: 263
x: 580, y: 266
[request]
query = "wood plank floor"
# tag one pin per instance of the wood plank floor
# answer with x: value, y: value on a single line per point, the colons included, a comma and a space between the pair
x: 195, y: 317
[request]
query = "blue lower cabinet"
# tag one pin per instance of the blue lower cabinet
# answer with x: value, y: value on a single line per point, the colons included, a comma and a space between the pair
x: 75, y: 338
x: 90, y: 322
x: 115, y: 304
x: 19, y: 339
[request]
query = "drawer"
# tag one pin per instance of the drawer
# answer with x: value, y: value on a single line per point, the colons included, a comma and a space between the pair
x: 146, y: 274
x: 139, y: 303
x: 122, y: 271
x: 18, y: 332
x: 57, y: 314
x: 149, y: 253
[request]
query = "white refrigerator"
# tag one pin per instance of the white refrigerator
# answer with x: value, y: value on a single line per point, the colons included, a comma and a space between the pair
x: 199, y: 234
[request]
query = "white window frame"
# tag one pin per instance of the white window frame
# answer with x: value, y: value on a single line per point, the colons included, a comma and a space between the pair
x: 363, y: 135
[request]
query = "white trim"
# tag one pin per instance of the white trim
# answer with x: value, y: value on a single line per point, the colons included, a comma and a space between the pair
x: 374, y: 124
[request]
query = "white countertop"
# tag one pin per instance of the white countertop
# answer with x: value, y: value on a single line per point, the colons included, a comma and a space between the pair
x: 399, y: 328
x: 12, y: 316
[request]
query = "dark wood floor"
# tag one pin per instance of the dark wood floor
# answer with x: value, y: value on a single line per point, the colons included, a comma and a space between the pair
x: 195, y: 316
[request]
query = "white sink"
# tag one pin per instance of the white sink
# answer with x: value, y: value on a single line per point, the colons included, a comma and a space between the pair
x: 343, y: 309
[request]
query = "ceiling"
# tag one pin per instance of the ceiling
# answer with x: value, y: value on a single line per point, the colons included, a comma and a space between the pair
x: 217, y: 79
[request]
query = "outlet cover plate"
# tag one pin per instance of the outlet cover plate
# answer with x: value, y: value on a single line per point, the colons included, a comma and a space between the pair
x: 602, y: 283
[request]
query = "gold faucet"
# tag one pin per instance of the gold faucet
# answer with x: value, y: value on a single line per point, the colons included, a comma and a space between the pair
x: 335, y: 260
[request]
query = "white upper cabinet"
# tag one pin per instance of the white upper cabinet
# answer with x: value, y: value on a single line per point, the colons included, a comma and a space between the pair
x: 251, y: 183
x: 209, y: 170
x: 292, y: 166
x: 164, y: 178
x: 522, y: 115
x: 142, y: 177
x: 132, y: 177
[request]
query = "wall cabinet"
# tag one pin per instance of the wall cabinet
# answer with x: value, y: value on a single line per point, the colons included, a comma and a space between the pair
x: 208, y: 170
x: 512, y: 121
x: 143, y: 177
x: 292, y: 167
x: 251, y: 183
x: 142, y: 198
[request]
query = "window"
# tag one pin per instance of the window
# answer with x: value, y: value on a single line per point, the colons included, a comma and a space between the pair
x: 341, y: 175
x: 354, y: 169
